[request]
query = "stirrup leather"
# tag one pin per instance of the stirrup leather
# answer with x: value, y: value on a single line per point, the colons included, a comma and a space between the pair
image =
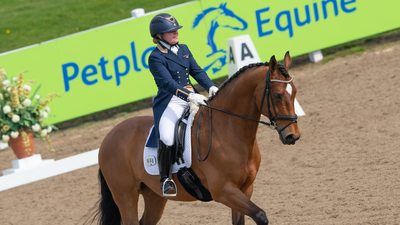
x: 168, y: 181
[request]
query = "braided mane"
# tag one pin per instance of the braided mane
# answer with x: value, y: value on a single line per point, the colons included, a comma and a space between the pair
x: 281, y: 69
x: 236, y: 75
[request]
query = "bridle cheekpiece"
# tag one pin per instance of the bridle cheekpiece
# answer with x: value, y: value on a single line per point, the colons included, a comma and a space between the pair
x: 273, y: 119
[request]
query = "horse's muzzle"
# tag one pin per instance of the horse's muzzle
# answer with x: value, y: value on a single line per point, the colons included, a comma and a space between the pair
x: 289, y: 139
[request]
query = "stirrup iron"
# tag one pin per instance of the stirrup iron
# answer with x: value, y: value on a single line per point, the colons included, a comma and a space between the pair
x: 164, y: 183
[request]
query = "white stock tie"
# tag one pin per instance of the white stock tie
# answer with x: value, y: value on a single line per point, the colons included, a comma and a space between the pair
x: 174, y: 49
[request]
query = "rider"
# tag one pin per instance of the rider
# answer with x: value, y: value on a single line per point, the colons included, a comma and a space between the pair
x: 170, y: 64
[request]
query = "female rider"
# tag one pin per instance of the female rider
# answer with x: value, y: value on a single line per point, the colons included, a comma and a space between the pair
x: 171, y: 64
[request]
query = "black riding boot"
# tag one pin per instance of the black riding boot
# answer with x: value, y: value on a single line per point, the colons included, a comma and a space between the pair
x: 168, y: 187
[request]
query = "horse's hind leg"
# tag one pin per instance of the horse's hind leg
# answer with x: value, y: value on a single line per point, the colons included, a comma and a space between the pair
x: 128, y: 207
x: 126, y: 196
x: 153, y: 206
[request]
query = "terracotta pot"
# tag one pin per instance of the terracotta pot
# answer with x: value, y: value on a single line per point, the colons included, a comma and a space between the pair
x: 24, y: 145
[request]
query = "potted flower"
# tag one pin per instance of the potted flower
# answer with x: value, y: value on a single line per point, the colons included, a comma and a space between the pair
x: 22, y: 114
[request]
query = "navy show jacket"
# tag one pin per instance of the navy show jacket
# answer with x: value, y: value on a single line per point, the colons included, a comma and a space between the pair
x: 171, y: 74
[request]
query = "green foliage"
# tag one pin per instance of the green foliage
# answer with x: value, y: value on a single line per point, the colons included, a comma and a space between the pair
x: 21, y: 109
x: 26, y: 22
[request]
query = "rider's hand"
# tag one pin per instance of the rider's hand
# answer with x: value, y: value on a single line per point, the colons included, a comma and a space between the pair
x: 197, y: 99
x: 212, y: 91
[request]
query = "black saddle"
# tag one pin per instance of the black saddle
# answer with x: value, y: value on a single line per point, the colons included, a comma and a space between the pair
x: 180, y: 130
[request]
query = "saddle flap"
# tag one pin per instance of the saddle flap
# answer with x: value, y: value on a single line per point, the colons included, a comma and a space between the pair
x: 150, y: 157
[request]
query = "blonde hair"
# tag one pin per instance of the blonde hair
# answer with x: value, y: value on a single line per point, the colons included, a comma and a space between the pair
x: 157, y: 38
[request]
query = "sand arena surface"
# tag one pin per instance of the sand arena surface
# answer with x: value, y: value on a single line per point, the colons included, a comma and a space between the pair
x: 344, y: 170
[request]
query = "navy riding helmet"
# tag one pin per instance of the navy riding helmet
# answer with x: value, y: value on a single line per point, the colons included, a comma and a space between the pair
x: 163, y: 23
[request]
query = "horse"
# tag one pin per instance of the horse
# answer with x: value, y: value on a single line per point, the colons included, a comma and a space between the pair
x: 228, y: 160
x: 220, y: 17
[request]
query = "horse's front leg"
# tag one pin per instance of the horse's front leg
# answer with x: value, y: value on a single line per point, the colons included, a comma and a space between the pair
x: 237, y: 217
x: 239, y: 202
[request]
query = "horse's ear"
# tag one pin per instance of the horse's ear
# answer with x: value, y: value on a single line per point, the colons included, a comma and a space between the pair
x: 273, y: 63
x: 287, y: 60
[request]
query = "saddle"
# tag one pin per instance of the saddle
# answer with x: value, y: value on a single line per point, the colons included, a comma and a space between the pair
x: 182, y: 160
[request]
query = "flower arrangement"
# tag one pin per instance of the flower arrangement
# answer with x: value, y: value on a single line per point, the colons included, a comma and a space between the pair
x: 22, y: 110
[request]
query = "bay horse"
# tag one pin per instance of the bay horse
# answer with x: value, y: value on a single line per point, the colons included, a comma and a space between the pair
x: 233, y: 156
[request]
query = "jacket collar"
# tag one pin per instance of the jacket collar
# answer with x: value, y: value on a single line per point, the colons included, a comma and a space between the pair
x: 166, y: 45
x: 170, y: 55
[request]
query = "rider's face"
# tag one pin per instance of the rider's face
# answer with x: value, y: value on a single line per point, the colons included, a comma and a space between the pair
x: 171, y: 37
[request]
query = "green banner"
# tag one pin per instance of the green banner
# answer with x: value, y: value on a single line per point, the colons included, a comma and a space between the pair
x: 299, y: 26
x: 107, y: 66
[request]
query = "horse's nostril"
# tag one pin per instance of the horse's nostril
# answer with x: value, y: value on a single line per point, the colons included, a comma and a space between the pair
x: 290, y: 139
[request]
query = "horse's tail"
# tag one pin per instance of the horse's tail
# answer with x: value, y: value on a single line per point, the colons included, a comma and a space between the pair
x: 108, y: 210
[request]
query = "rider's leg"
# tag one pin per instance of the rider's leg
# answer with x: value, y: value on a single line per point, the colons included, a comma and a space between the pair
x: 168, y: 120
x: 165, y: 159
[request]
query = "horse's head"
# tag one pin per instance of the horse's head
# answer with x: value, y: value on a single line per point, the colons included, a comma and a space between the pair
x: 277, y: 103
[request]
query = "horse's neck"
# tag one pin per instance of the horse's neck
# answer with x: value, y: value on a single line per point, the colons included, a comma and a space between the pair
x: 239, y: 99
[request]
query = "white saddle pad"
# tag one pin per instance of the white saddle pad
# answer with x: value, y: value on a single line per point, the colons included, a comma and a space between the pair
x: 150, y: 154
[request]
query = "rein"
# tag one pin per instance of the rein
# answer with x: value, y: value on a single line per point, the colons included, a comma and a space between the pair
x: 240, y: 116
x: 210, y: 109
x: 272, y: 119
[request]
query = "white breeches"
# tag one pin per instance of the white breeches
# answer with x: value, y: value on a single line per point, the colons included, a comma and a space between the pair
x: 170, y: 116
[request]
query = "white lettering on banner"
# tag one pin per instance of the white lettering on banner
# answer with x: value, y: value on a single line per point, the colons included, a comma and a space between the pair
x: 241, y: 52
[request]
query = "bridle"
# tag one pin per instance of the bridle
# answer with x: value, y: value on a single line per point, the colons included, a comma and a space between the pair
x: 273, y: 119
x: 272, y: 123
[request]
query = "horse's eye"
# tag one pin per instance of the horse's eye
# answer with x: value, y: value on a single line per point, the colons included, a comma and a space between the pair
x: 278, y: 96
